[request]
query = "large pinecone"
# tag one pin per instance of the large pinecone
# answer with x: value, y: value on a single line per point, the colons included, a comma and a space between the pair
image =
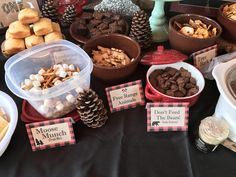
x: 49, y: 10
x: 140, y: 29
x: 91, y: 109
x: 69, y: 15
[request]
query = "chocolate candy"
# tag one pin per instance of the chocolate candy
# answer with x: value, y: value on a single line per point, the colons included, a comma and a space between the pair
x: 97, y: 23
x: 174, y: 82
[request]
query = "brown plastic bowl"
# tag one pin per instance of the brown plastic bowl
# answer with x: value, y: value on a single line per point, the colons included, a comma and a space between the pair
x: 228, y: 25
x: 188, y: 44
x: 125, y: 43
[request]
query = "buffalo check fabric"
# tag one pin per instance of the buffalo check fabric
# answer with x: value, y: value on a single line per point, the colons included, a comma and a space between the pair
x: 152, y: 126
x: 124, y: 87
x: 67, y: 120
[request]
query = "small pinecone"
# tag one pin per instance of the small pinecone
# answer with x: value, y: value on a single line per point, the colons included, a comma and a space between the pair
x: 140, y: 29
x: 49, y: 10
x: 69, y: 15
x: 91, y: 109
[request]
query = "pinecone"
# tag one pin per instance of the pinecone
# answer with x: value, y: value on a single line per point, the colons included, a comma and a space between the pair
x: 140, y: 29
x: 69, y: 15
x: 49, y: 10
x: 91, y: 109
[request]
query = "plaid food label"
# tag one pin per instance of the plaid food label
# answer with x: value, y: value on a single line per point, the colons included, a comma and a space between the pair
x: 204, y: 56
x: 125, y: 96
x: 167, y: 117
x: 50, y: 134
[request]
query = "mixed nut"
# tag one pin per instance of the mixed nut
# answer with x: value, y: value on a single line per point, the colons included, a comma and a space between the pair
x: 110, y: 57
x: 174, y: 82
x: 196, y: 29
x: 230, y: 11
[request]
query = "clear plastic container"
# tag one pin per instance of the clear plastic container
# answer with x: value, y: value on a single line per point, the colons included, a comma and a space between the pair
x: 30, y: 61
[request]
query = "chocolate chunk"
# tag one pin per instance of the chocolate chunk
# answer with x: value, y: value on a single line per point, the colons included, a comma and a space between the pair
x: 192, y: 91
x: 184, y: 72
x: 116, y: 17
x: 95, y: 22
x: 173, y: 82
x: 107, y: 21
x: 108, y: 14
x: 179, y: 94
x: 98, y: 15
x: 102, y: 26
x: 170, y: 93
x: 193, y: 80
x: 171, y: 71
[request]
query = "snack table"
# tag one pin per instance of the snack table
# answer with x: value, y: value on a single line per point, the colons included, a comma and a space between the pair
x: 122, y: 147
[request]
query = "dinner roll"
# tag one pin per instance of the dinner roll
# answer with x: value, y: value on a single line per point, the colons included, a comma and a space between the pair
x: 12, y: 46
x: 43, y: 27
x: 33, y: 40
x: 28, y: 15
x: 54, y: 36
x: 56, y: 27
x: 19, y: 30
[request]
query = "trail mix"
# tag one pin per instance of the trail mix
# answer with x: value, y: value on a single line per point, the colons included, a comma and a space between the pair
x: 230, y: 11
x: 196, y: 29
x: 49, y: 77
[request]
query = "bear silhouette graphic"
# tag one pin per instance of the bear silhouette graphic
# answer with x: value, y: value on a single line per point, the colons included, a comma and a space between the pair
x: 155, y: 123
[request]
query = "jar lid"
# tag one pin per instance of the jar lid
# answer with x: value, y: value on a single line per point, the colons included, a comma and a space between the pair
x: 162, y: 56
x: 213, y: 130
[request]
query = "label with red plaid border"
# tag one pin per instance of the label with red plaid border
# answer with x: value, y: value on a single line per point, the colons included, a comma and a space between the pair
x: 125, y: 96
x: 167, y: 116
x: 204, y: 56
x: 50, y: 134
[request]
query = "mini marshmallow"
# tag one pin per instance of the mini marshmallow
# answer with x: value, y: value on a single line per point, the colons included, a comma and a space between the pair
x: 71, y: 67
x: 32, y: 77
x: 41, y: 71
x: 75, y: 74
x: 35, y: 90
x: 36, y: 83
x: 65, y: 66
x: 48, y: 103
x: 70, y: 98
x: 62, y: 74
x: 28, y: 82
x: 39, y: 78
x: 59, y: 106
x: 79, y: 89
x: 58, y: 66
x: 43, y: 109
x: 57, y: 82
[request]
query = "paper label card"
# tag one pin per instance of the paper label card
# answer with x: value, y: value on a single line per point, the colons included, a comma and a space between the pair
x: 167, y: 116
x: 205, y: 56
x: 50, y: 134
x: 125, y: 96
